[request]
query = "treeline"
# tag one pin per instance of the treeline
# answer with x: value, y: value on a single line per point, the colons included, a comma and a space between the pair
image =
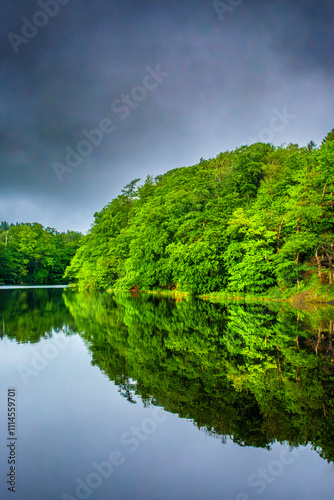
x: 30, y: 253
x: 253, y: 219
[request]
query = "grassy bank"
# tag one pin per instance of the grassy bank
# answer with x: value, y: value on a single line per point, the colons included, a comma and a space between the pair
x: 306, y: 296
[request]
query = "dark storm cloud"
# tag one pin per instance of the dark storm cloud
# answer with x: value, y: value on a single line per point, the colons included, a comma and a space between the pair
x: 225, y: 78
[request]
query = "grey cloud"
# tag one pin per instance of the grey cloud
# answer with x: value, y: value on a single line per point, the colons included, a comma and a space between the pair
x: 224, y: 80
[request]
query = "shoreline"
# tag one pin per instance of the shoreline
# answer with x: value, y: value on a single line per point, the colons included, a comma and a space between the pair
x: 306, y: 300
x: 15, y: 287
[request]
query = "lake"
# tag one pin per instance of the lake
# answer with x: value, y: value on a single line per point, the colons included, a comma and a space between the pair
x: 141, y: 396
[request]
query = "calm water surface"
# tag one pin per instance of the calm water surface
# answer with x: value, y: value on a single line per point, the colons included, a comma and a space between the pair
x: 142, y: 397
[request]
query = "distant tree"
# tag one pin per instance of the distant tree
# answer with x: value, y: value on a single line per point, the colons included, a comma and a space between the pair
x: 4, y: 226
x: 311, y: 146
x: 31, y: 254
x: 329, y: 136
x: 130, y: 189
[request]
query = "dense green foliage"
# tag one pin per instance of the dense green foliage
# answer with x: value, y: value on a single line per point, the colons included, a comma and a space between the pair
x: 251, y: 220
x: 32, y: 254
x: 253, y: 373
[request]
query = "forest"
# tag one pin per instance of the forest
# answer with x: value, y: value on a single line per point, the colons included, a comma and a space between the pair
x: 257, y: 220
x: 32, y: 254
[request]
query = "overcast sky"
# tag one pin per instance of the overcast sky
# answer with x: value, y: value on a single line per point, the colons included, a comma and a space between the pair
x: 167, y: 82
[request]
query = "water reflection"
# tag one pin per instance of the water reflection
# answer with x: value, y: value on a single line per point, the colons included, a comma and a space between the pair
x: 257, y: 374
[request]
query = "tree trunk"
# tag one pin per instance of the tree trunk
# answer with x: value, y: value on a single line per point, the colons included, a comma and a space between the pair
x: 319, y: 266
x: 297, y: 259
x: 298, y: 225
x: 279, y: 365
x: 319, y: 338
x: 323, y: 193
